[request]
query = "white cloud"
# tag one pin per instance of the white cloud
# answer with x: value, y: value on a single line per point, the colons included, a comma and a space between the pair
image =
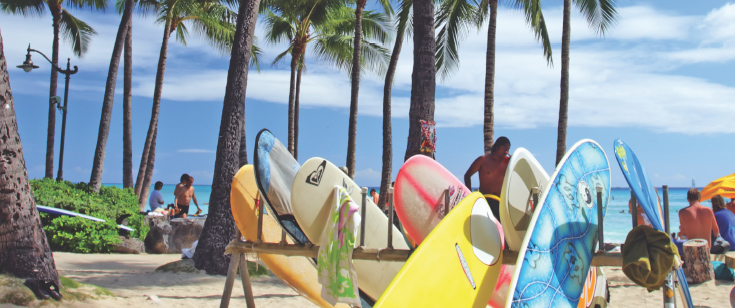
x: 195, y: 151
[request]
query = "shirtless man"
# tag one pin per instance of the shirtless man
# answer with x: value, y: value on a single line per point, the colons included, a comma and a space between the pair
x: 696, y: 220
x: 491, y: 170
x: 183, y: 195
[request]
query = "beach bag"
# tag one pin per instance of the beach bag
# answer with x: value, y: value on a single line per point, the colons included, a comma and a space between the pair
x: 722, y: 272
x: 720, y: 246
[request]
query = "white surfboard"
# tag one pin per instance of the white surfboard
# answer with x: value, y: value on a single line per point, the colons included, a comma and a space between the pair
x: 311, y: 200
x: 516, y: 200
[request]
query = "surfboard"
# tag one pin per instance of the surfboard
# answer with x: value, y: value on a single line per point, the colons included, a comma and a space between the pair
x: 275, y: 169
x: 60, y: 212
x: 646, y: 194
x: 311, y: 199
x: 555, y: 255
x: 462, y: 257
x: 516, y: 197
x: 296, y: 272
x: 419, y: 198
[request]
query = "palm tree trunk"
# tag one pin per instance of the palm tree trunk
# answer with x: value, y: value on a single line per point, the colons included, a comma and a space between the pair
x: 146, y: 187
x: 127, y: 109
x: 51, y: 132
x: 292, y: 100
x: 24, y: 250
x: 95, y: 179
x: 387, y: 170
x: 243, y: 154
x: 352, y: 127
x: 561, y: 140
x: 489, y: 120
x: 423, y: 78
x: 219, y: 229
x: 153, y: 126
x: 296, y: 111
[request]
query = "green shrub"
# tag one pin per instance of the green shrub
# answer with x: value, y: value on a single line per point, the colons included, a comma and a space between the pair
x: 75, y: 234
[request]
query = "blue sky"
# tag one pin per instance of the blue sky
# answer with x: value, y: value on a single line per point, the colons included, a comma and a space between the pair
x: 660, y: 80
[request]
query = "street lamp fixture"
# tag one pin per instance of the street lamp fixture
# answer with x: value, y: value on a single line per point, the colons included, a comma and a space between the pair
x: 28, y: 66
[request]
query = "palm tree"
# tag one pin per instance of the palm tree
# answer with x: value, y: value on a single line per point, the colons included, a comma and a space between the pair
x: 214, y: 22
x: 25, y: 251
x: 127, y: 109
x: 219, y: 229
x: 73, y: 29
x: 423, y: 77
x: 329, y: 26
x: 402, y: 26
x: 95, y: 180
x: 355, y: 89
x: 600, y: 15
x: 456, y: 15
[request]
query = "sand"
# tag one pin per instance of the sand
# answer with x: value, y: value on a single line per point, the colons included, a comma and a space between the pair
x: 133, y: 280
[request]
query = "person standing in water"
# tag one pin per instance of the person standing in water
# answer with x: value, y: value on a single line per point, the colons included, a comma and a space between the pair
x: 491, y: 171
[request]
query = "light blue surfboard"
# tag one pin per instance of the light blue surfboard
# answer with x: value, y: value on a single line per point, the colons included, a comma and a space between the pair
x: 60, y: 212
x: 646, y: 194
x: 275, y: 170
x: 556, y: 253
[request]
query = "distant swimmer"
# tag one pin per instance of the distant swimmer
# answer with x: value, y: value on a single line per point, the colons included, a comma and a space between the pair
x: 491, y: 171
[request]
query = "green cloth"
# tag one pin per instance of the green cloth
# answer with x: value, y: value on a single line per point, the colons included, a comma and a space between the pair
x: 722, y: 272
x: 648, y: 257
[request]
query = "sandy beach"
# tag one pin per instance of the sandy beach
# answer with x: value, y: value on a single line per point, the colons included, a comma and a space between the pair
x: 133, y: 280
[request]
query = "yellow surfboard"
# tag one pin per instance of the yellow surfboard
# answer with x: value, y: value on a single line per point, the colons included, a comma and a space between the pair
x: 457, y: 265
x: 296, y: 272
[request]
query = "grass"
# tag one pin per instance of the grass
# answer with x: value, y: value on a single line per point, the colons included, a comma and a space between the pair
x: 13, y: 291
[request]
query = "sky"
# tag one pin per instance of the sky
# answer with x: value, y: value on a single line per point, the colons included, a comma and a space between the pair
x: 660, y: 79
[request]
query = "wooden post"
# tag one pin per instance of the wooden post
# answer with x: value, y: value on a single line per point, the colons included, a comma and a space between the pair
x: 634, y: 208
x: 446, y: 202
x: 362, y: 214
x: 231, y: 272
x: 600, y: 218
x: 247, y: 288
x: 535, y: 192
x: 667, y: 222
x: 261, y: 204
x: 390, y: 218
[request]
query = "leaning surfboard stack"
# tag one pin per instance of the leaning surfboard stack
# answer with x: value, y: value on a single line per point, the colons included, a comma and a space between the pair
x: 645, y: 192
x: 311, y: 199
x: 457, y: 265
x: 556, y: 253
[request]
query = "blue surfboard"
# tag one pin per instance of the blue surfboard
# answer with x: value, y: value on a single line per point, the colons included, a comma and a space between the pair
x: 646, y: 194
x: 59, y: 212
x: 557, y: 251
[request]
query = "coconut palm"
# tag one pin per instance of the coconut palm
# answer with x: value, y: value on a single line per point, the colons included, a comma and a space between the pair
x: 95, y: 180
x: 76, y: 31
x: 423, y: 76
x: 600, y: 15
x: 355, y: 89
x: 456, y: 15
x: 25, y: 250
x: 329, y: 27
x: 212, y: 21
x: 127, y: 109
x: 219, y: 229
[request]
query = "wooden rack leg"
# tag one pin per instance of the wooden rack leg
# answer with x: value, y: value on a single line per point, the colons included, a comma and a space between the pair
x: 247, y: 288
x: 231, y: 272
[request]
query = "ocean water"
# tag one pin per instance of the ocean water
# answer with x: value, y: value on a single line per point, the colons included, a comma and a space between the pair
x: 617, y: 222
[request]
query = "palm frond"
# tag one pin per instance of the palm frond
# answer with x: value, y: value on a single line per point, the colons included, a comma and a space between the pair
x: 148, y: 7
x: 76, y: 31
x: 336, y: 50
x: 403, y: 17
x: 535, y: 19
x: 216, y: 24
x: 181, y: 33
x: 453, y: 18
x: 600, y: 14
x: 23, y: 7
x: 376, y: 26
x: 255, y: 54
x: 387, y: 8
x: 95, y: 5
x: 278, y: 28
x: 282, y: 55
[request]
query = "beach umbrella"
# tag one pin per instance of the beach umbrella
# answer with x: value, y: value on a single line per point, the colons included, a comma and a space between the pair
x: 724, y: 186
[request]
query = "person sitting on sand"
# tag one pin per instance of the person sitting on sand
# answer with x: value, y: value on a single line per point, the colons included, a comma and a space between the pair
x: 725, y: 220
x: 696, y: 220
x: 491, y: 171
x: 184, y: 197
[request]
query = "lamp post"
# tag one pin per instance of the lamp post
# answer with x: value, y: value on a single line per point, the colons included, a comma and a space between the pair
x: 28, y: 66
